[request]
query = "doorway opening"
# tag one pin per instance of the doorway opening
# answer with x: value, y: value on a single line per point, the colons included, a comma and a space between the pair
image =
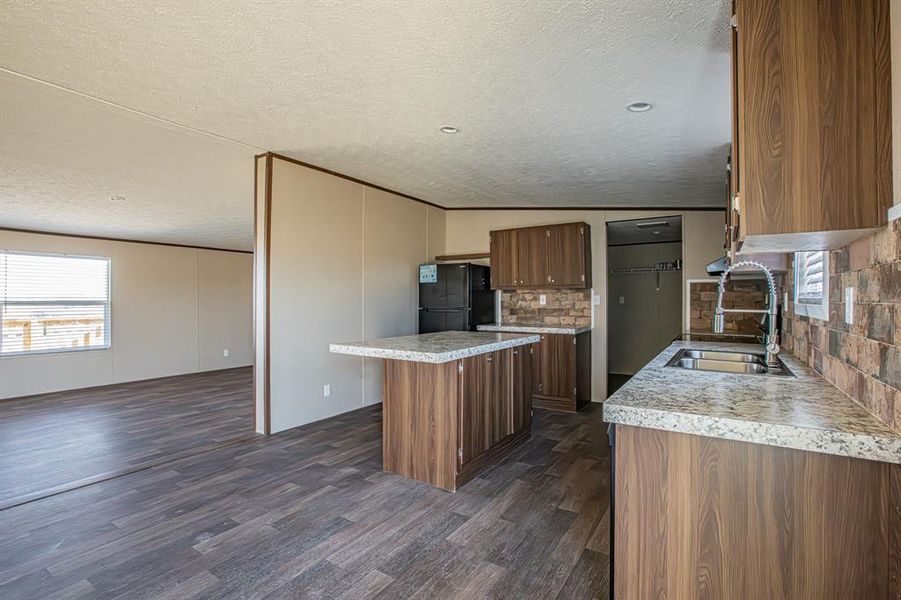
x: 644, y: 293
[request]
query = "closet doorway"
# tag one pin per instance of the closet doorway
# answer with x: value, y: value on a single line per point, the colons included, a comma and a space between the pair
x: 644, y: 293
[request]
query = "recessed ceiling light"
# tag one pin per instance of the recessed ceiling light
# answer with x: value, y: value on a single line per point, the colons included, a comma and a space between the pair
x: 116, y: 198
x: 640, y: 107
x: 449, y: 129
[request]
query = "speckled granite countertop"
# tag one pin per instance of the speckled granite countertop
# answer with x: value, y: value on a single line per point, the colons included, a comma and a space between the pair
x: 534, y: 329
x: 440, y: 347
x: 803, y: 412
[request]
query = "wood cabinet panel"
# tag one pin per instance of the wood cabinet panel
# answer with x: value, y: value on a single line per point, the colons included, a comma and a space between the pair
x: 531, y: 247
x: 561, y: 372
x: 814, y: 122
x: 569, y: 255
x: 699, y: 517
x: 421, y: 398
x: 474, y: 425
x: 521, y: 376
x: 499, y: 402
x: 504, y: 259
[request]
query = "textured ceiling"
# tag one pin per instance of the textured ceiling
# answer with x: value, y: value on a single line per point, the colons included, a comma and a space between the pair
x: 537, y: 89
x: 62, y: 157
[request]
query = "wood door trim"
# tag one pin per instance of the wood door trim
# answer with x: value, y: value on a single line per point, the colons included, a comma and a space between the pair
x: 353, y: 179
x: 267, y: 381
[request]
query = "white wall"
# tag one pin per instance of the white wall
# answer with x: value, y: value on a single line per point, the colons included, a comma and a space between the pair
x: 343, y: 267
x: 173, y: 311
x: 467, y: 231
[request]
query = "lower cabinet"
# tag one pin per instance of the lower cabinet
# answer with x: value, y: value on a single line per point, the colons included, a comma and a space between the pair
x: 561, y: 372
x: 443, y: 423
x: 495, y: 403
x: 702, y: 517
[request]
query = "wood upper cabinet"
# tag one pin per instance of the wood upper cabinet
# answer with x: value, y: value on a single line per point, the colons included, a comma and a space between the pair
x: 552, y: 256
x: 531, y: 256
x: 504, y: 259
x: 569, y: 255
x: 812, y: 138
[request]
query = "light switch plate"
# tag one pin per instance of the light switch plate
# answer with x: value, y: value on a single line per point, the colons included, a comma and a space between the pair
x: 225, y: 353
x: 596, y: 299
x: 326, y: 390
x: 849, y: 305
x: 542, y: 299
x: 622, y: 299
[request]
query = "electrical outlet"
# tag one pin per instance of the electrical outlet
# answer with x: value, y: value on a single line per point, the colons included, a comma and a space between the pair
x: 542, y: 299
x: 596, y: 299
x: 326, y: 390
x: 622, y: 299
x: 849, y: 305
x: 225, y: 353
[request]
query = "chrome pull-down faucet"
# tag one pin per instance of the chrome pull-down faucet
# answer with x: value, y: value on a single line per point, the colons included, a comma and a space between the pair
x: 719, y: 317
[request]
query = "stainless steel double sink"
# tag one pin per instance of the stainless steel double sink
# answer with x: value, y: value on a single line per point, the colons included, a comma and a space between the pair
x: 742, y: 363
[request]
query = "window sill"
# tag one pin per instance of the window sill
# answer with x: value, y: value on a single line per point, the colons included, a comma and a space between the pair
x: 52, y: 352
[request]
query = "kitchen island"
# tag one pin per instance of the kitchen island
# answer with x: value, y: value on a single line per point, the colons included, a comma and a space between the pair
x: 730, y: 485
x: 454, y: 402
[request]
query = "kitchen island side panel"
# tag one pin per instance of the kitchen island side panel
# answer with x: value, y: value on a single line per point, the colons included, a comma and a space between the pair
x: 420, y: 415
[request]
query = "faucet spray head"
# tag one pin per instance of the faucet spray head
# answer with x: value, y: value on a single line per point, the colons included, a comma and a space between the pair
x: 719, y: 322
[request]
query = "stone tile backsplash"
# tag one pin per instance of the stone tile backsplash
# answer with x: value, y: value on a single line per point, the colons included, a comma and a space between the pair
x: 862, y: 359
x: 564, y: 308
x: 740, y: 293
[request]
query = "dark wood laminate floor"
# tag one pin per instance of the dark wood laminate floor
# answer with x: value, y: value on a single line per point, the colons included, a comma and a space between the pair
x: 52, y: 440
x: 308, y: 513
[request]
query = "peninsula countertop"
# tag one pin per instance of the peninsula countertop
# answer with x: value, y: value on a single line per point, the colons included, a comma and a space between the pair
x: 440, y: 347
x: 804, y: 412
x: 563, y: 330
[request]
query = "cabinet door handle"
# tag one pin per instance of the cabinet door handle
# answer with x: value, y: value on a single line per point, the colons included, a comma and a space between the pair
x: 490, y: 359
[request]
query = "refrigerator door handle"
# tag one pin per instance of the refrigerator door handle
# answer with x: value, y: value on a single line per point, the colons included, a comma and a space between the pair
x: 442, y: 310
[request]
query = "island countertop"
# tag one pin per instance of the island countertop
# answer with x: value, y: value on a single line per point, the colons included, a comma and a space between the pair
x: 440, y: 347
x: 804, y: 412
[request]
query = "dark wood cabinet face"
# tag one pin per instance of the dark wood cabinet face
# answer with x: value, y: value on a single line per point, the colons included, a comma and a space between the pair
x: 813, y: 112
x: 554, y: 366
x: 473, y: 410
x: 531, y: 257
x: 567, y: 255
x: 554, y: 256
x: 486, y: 412
x: 521, y: 375
x: 503, y: 259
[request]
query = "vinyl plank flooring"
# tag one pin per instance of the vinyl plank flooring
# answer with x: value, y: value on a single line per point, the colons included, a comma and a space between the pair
x: 308, y: 513
x: 53, y: 441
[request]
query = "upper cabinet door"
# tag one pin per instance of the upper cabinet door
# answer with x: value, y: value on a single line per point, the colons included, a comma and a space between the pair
x: 531, y: 246
x: 503, y: 259
x: 814, y: 122
x: 569, y: 255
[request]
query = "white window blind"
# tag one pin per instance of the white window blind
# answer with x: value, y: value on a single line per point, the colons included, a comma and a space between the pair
x: 812, y: 284
x: 53, y: 303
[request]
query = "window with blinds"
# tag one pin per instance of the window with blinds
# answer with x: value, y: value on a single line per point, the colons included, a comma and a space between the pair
x: 53, y: 303
x: 812, y: 284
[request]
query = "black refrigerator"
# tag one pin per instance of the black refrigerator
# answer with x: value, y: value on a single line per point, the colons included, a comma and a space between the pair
x: 454, y: 297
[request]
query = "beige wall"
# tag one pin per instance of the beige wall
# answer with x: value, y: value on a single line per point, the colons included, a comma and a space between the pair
x: 343, y: 267
x: 174, y: 310
x: 467, y: 231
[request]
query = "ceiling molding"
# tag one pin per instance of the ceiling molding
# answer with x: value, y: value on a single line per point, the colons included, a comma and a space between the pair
x: 126, y: 240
